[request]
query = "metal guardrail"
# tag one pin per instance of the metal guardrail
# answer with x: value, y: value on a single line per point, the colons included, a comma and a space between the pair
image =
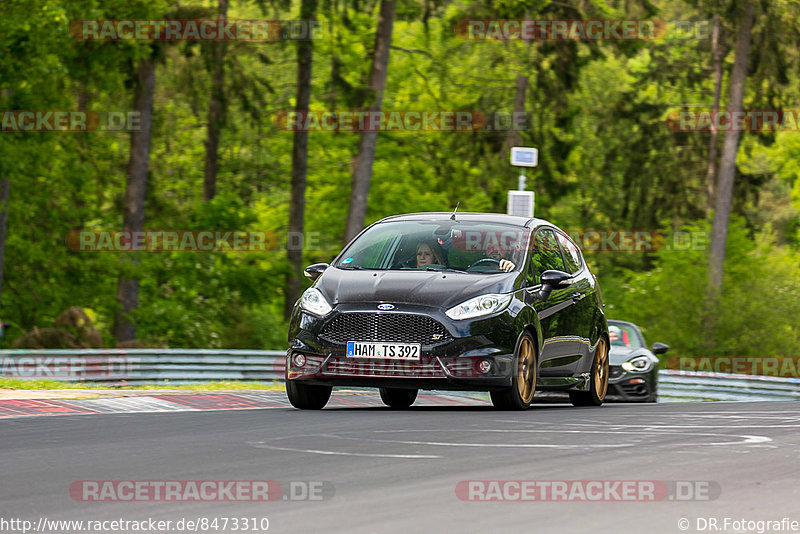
x: 143, y: 366
x: 674, y: 385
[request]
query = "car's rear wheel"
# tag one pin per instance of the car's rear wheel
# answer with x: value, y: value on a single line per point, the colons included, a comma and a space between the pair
x: 523, y: 383
x: 598, y: 385
x: 307, y: 397
x: 398, y: 399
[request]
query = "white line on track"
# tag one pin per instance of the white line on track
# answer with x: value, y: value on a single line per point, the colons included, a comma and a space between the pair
x: 745, y: 439
x: 261, y: 445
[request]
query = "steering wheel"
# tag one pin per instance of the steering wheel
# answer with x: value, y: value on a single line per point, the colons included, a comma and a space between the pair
x: 486, y: 261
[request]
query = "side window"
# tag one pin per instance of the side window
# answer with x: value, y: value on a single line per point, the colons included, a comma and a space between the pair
x: 572, y: 257
x: 545, y: 254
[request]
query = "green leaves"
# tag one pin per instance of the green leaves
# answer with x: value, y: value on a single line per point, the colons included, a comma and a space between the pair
x: 756, y: 315
x: 596, y: 110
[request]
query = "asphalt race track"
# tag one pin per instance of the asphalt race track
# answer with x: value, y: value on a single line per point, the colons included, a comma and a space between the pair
x: 386, y: 471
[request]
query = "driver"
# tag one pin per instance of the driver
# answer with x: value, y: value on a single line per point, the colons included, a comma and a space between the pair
x: 493, y: 253
x: 618, y: 336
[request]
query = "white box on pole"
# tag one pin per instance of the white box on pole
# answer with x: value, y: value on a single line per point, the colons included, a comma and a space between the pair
x: 523, y: 156
x: 520, y: 203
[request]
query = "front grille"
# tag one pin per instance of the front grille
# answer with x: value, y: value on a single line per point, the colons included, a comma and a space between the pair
x: 614, y: 371
x: 389, y: 327
x: 337, y: 367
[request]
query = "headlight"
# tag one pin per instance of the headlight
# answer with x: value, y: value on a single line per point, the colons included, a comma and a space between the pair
x: 312, y: 301
x: 639, y: 364
x: 475, y: 307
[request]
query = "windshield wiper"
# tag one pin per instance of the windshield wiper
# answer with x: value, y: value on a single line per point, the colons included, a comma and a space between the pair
x: 350, y: 267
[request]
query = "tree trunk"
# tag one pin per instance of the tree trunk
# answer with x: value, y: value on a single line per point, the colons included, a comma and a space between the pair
x: 514, y: 137
x: 362, y: 169
x: 727, y: 168
x: 5, y: 185
x: 215, y: 109
x: 294, y: 249
x: 711, y: 172
x: 135, y: 189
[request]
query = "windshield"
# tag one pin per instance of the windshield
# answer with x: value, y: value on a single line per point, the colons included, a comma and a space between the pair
x: 473, y: 247
x: 623, y: 335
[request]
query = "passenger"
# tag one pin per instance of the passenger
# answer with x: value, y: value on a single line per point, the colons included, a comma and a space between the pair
x: 429, y: 253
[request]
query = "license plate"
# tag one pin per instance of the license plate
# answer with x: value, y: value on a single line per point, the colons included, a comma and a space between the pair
x: 384, y: 351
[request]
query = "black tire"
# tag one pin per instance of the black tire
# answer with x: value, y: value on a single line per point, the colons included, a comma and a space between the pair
x: 523, y: 383
x: 598, y: 385
x: 398, y: 399
x: 307, y: 397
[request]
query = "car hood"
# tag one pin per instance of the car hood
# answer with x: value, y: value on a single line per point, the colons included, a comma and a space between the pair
x: 441, y: 289
x: 620, y: 355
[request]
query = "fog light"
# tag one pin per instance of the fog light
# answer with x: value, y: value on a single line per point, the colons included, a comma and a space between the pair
x: 636, y: 381
x: 484, y: 366
x: 299, y: 360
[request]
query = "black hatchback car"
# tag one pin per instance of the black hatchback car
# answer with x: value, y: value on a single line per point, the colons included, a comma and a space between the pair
x: 473, y: 301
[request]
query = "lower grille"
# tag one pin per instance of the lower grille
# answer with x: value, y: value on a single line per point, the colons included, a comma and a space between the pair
x: 635, y: 390
x: 337, y: 367
x: 387, y: 327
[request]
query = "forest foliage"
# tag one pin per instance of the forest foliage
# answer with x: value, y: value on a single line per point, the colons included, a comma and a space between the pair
x: 598, y: 111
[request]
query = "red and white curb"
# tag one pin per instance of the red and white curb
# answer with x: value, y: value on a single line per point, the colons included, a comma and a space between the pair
x: 195, y: 402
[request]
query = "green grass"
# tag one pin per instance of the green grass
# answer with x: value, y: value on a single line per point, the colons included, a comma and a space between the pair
x: 18, y: 383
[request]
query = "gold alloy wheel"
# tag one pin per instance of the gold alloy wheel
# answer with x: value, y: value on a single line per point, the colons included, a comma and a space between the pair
x: 526, y: 370
x: 601, y: 369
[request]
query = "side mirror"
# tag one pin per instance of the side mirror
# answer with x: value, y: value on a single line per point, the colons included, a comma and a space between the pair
x: 554, y: 278
x: 659, y: 348
x: 313, y: 272
x: 550, y: 280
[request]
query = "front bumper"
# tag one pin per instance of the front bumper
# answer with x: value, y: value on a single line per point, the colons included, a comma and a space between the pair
x: 451, y: 361
x: 429, y: 373
x: 629, y: 386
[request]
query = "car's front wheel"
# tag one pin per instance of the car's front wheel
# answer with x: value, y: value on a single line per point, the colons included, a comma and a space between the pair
x: 523, y: 383
x: 307, y: 397
x: 598, y: 385
x: 399, y: 399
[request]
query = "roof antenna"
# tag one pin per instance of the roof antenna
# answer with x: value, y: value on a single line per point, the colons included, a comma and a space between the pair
x: 453, y: 216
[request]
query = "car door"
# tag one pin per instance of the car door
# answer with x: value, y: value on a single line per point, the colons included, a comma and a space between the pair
x: 556, y: 357
x: 581, y: 321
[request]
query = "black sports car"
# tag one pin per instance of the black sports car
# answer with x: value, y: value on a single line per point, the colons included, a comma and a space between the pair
x: 634, y: 368
x: 470, y: 301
